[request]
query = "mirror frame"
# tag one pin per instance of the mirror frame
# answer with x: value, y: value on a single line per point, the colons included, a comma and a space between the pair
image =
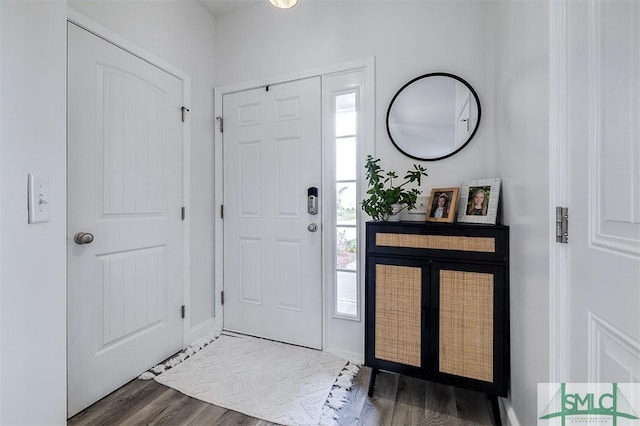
x: 435, y: 74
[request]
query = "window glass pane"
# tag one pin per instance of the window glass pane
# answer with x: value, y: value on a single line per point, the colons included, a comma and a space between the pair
x: 346, y: 203
x: 346, y: 124
x: 346, y: 159
x: 346, y: 114
x: 346, y: 248
x: 346, y: 103
x: 347, y: 293
x: 346, y: 140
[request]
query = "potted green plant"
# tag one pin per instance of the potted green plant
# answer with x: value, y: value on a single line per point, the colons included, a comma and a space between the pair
x: 383, y: 195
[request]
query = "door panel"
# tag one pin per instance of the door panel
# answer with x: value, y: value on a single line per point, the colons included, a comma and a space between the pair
x: 272, y: 263
x: 604, y: 202
x: 124, y: 187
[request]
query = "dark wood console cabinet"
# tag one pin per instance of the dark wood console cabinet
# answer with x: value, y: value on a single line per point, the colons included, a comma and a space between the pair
x: 437, y: 304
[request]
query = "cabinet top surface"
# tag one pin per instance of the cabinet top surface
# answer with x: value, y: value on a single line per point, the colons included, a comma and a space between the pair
x: 434, y: 225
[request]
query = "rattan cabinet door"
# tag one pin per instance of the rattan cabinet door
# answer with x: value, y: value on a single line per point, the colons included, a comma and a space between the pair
x: 396, y: 294
x: 469, y: 345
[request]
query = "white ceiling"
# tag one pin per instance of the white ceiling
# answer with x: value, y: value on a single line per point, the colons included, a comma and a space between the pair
x: 223, y: 7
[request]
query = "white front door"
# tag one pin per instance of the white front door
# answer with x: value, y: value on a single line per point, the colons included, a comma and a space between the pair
x: 603, y: 292
x: 124, y: 188
x: 272, y: 261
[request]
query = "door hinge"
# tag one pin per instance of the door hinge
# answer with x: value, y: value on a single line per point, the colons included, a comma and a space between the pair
x: 183, y: 213
x: 222, y: 297
x: 183, y: 311
x: 184, y: 110
x: 221, y: 211
x: 221, y: 120
x: 562, y: 225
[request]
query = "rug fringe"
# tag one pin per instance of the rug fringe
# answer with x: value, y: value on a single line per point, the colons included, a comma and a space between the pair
x: 191, y: 350
x: 338, y: 395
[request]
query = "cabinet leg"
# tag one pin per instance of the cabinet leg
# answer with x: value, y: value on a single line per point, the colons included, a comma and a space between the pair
x: 372, y: 381
x: 495, y: 407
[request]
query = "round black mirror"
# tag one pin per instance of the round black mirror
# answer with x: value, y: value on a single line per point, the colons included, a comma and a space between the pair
x: 433, y: 116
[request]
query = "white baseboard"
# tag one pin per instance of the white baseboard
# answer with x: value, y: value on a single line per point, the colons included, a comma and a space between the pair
x: 212, y: 325
x: 509, y: 417
x: 353, y: 357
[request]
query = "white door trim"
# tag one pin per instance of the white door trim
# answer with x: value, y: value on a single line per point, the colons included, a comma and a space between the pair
x: 368, y: 65
x: 558, y: 189
x: 121, y: 42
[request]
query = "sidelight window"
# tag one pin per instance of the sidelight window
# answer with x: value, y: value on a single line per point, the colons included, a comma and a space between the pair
x: 346, y: 206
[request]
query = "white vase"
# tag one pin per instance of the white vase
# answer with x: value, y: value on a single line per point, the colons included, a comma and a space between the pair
x: 395, y: 210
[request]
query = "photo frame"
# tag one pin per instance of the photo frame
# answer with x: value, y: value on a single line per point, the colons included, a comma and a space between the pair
x: 442, y: 205
x: 479, y: 201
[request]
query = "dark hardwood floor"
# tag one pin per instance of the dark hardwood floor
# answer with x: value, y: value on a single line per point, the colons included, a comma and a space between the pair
x: 397, y: 400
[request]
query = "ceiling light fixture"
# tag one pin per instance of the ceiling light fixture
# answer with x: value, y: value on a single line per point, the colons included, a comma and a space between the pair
x: 283, y: 4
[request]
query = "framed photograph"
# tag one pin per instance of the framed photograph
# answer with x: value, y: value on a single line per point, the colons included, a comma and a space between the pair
x: 479, y: 201
x: 442, y: 205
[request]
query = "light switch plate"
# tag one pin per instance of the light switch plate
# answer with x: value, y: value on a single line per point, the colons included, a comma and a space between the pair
x: 38, y: 199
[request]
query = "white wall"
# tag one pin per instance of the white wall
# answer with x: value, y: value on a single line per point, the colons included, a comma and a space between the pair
x: 33, y: 257
x: 519, y: 74
x: 501, y: 48
x: 2, y: 37
x: 182, y: 34
x: 407, y: 38
x: 33, y: 136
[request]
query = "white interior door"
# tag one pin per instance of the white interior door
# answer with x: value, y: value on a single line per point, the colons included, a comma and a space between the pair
x: 124, y: 188
x: 604, y: 198
x: 272, y: 261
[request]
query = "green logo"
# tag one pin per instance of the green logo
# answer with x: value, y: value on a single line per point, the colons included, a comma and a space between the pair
x: 613, y: 405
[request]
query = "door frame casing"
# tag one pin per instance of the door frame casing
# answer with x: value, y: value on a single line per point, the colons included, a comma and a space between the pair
x: 368, y: 146
x: 188, y: 333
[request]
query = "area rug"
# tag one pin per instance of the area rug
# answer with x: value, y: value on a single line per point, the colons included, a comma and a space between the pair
x: 273, y: 381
